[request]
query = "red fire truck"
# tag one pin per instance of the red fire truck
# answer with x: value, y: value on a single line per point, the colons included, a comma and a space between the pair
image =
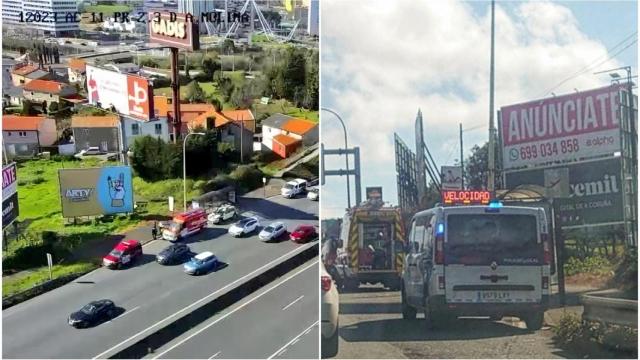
x: 185, y: 224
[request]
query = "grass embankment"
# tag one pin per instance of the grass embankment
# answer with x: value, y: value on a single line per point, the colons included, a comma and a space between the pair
x: 25, y: 280
x: 107, y: 9
x: 285, y: 107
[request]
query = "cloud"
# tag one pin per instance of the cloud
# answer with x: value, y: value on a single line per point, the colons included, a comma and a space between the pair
x: 382, y: 60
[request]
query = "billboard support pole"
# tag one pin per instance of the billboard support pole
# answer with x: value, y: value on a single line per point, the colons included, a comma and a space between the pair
x: 492, y: 155
x: 175, y: 89
x: 461, y: 158
x: 559, y: 240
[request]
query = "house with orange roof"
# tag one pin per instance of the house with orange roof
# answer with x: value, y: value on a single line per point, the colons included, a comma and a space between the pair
x: 284, y: 134
x: 22, y: 136
x: 77, y: 71
x: 101, y: 131
x: 24, y: 74
x: 48, y: 91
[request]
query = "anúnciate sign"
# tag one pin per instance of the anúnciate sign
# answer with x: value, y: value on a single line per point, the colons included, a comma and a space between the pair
x: 561, y: 129
x: 9, y: 180
x: 174, y: 30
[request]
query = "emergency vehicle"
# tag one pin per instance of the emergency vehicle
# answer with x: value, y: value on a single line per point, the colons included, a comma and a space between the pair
x: 185, y: 224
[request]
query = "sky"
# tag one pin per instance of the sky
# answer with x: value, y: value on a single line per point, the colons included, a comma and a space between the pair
x: 381, y: 61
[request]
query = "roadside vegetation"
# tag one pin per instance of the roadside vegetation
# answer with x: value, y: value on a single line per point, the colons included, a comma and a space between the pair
x: 25, y: 280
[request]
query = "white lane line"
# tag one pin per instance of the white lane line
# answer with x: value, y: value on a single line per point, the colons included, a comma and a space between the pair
x: 214, y: 355
x: 294, y: 301
x: 128, y: 312
x: 315, y: 263
x: 293, y: 341
x: 102, y: 354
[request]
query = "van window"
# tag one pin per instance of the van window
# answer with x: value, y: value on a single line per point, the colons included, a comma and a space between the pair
x: 479, y: 239
x: 419, y: 232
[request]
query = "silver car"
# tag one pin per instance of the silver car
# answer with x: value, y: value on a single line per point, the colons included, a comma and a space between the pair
x: 273, y: 231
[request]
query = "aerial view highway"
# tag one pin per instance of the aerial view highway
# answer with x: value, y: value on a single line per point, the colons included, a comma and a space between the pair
x: 150, y: 296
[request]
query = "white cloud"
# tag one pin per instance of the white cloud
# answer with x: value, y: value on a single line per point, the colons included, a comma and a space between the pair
x: 382, y: 60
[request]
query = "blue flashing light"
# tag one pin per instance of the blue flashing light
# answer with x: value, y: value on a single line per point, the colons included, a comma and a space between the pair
x: 495, y: 204
x: 440, y: 229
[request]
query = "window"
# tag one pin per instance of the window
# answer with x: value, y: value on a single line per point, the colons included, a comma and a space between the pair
x: 22, y: 134
x: 50, y: 95
x: 419, y: 232
x: 9, y: 133
x: 135, y: 129
x: 158, y: 128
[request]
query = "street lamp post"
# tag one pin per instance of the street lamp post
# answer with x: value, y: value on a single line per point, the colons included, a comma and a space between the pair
x: 184, y: 167
x: 346, y: 156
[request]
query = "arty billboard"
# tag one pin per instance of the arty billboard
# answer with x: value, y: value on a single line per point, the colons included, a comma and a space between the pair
x: 130, y: 95
x: 9, y: 194
x: 451, y: 177
x: 594, y: 190
x: 96, y: 191
x: 561, y: 129
x: 174, y: 30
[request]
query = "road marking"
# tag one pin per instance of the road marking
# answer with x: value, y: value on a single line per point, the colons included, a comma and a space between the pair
x: 294, y: 301
x: 101, y: 355
x: 128, y: 312
x: 315, y: 263
x: 292, y: 341
x: 214, y: 355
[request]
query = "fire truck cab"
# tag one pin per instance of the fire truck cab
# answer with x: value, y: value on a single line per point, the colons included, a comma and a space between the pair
x: 185, y: 224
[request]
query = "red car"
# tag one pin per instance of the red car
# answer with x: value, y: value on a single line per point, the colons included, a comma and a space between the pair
x: 303, y: 233
x: 125, y: 253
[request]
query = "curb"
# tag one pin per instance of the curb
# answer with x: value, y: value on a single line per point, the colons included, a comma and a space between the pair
x: 165, y: 334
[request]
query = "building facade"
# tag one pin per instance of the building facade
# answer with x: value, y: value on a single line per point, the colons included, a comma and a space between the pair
x: 283, y: 134
x: 40, y: 91
x: 100, y: 131
x: 157, y: 128
x: 13, y: 10
x: 22, y: 136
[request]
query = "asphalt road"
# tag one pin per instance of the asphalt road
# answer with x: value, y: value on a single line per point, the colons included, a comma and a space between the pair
x: 276, y: 321
x: 371, y: 326
x: 149, y: 294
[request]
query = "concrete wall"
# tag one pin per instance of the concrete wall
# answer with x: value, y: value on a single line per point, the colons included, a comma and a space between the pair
x: 67, y: 149
x: 85, y: 137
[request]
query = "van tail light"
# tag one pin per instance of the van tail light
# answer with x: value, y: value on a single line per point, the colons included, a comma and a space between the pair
x: 441, y: 282
x: 545, y: 282
x: 325, y: 283
x: 546, y: 247
x: 439, y: 256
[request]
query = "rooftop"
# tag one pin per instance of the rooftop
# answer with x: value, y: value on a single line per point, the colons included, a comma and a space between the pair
x: 298, y: 126
x: 276, y: 120
x: 204, y: 255
x: 38, y: 74
x: 45, y: 86
x: 285, y: 139
x: 95, y: 121
x: 19, y: 122
x: 27, y: 69
x: 77, y: 64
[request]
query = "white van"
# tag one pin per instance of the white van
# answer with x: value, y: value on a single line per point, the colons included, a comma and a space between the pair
x: 477, y: 261
x: 293, y: 188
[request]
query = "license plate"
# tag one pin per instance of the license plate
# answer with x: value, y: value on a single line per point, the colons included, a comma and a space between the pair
x: 493, y: 295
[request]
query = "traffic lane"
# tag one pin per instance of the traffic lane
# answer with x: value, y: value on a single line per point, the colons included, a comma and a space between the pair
x: 38, y: 328
x: 269, y: 321
x: 300, y: 348
x: 278, y: 207
x: 371, y: 326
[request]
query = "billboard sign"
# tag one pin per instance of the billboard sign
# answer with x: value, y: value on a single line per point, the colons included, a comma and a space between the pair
x: 451, y: 177
x: 9, y: 180
x: 466, y: 197
x: 594, y: 190
x: 374, y: 193
x: 96, y: 191
x: 174, y: 30
x: 106, y: 89
x: 561, y: 129
x: 9, y: 209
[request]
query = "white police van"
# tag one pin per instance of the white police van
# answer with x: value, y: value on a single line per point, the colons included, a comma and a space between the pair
x: 490, y: 260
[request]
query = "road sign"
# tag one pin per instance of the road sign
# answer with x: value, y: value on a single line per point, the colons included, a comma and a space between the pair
x: 451, y: 177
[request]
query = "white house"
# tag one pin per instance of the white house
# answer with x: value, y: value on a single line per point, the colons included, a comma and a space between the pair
x: 283, y: 134
x: 158, y: 128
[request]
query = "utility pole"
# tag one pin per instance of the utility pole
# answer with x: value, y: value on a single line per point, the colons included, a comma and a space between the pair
x: 492, y: 156
x: 461, y: 158
x: 175, y: 89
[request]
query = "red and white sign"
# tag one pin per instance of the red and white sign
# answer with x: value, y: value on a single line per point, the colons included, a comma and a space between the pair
x: 175, y: 30
x: 561, y: 129
x: 9, y: 180
x: 129, y: 94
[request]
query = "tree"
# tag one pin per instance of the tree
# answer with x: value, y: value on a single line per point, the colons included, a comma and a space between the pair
x: 53, y: 107
x: 204, y: 149
x: 294, y: 72
x: 27, y: 108
x: 228, y: 46
x: 216, y: 103
x: 210, y: 64
x: 194, y: 93
x: 272, y: 17
x: 476, y: 167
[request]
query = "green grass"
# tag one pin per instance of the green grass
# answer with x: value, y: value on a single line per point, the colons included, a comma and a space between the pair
x: 107, y: 9
x: 285, y: 107
x: 23, y: 281
x: 209, y: 89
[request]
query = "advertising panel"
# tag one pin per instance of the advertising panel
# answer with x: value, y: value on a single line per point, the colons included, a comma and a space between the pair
x: 9, y: 180
x: 174, y: 30
x: 561, y: 129
x: 9, y: 209
x: 96, y: 191
x: 466, y: 197
x: 106, y: 87
x: 451, y: 177
x: 374, y: 193
x: 594, y: 190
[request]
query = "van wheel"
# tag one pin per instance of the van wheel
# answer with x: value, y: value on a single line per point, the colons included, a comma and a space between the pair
x: 534, y: 321
x: 408, y: 312
x: 330, y: 345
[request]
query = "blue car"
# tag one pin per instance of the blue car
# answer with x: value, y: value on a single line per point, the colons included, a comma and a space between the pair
x: 201, y: 263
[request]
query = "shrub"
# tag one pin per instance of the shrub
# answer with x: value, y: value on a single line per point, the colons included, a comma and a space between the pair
x: 59, y: 158
x: 219, y: 182
x: 249, y: 177
x: 597, y: 265
x: 626, y: 273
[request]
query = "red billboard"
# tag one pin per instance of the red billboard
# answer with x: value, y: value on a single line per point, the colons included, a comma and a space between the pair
x: 105, y: 87
x: 561, y: 129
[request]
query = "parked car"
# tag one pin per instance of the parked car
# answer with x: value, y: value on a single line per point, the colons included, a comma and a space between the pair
x: 201, y: 263
x: 125, y: 253
x: 273, y: 231
x: 222, y: 213
x: 293, y: 188
x: 313, y: 194
x: 92, y: 313
x: 329, y: 314
x: 303, y: 233
x: 91, y: 150
x: 244, y: 226
x: 173, y: 254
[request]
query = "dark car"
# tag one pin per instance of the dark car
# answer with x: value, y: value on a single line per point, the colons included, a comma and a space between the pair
x: 174, y: 254
x: 93, y: 313
x: 303, y: 233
